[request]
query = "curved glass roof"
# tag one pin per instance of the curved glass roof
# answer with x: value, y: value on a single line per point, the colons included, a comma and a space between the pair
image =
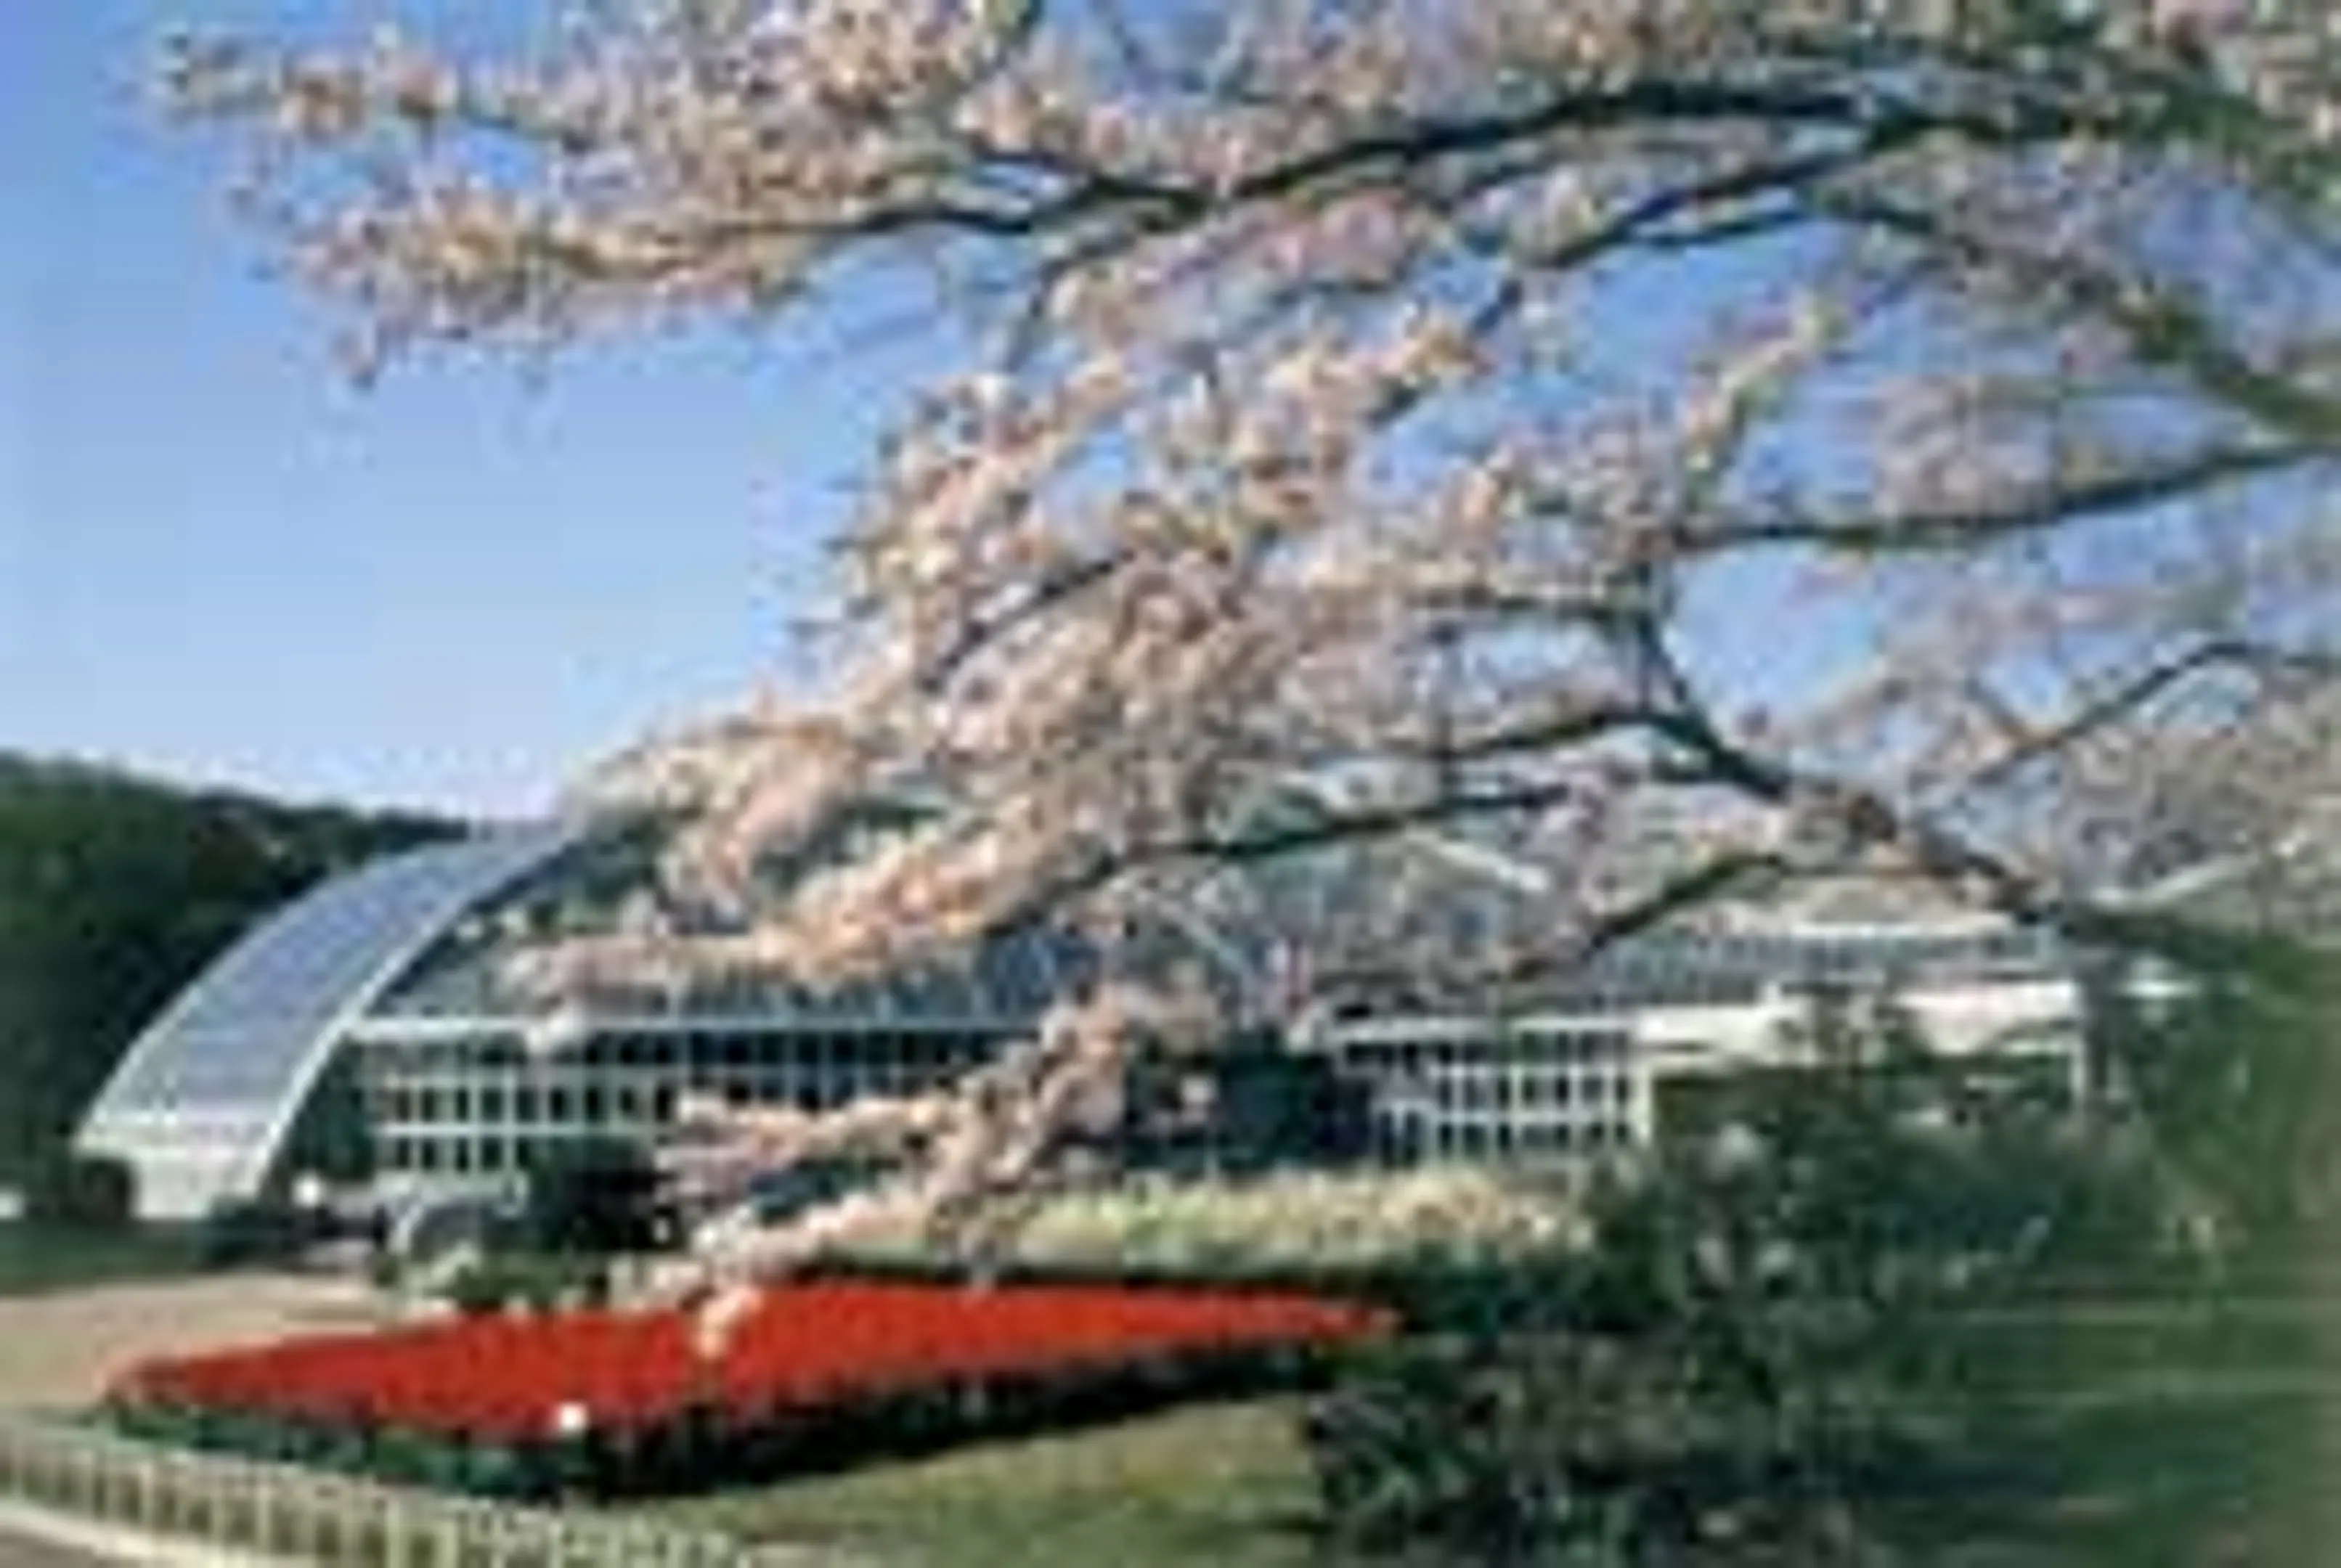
x: 210, y: 1087
x: 1006, y: 983
x: 203, y: 1101
x: 1003, y: 982
x: 1471, y: 904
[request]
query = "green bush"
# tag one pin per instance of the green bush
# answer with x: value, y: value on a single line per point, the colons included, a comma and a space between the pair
x: 476, y: 1289
x: 538, y: 1281
x: 240, y: 1231
x: 78, y: 1192
x: 2238, y: 1078
x: 596, y: 1197
x: 1750, y: 1364
x: 1717, y: 1442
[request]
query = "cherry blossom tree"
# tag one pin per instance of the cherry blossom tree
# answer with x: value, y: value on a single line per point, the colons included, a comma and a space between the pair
x: 1627, y: 453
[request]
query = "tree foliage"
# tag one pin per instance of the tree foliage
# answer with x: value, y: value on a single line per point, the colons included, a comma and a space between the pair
x: 1631, y: 452
x: 1761, y: 1359
x: 2237, y: 1081
x: 597, y: 1198
x: 77, y: 1192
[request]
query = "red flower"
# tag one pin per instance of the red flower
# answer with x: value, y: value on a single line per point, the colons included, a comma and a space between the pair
x: 803, y: 1348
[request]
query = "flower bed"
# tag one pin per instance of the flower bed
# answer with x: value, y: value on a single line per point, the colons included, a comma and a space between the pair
x: 1293, y: 1226
x: 625, y: 1402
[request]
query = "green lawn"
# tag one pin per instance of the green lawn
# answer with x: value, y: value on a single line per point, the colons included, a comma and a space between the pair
x: 1220, y: 1485
x: 2210, y: 1476
x: 34, y: 1259
x: 2206, y: 1435
x: 2191, y: 1441
x: 2203, y: 1477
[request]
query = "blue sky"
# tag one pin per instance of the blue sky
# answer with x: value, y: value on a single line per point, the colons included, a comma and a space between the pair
x: 219, y: 560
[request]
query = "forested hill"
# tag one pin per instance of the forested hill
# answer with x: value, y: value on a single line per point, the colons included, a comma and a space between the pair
x: 114, y: 891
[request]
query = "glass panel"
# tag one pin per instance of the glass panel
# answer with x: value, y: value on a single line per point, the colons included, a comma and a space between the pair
x: 247, y: 1026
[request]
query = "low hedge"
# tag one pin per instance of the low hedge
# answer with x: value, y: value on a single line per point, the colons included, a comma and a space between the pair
x: 540, y: 1281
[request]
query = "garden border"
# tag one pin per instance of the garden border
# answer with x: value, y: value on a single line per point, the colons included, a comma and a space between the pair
x: 284, y: 1512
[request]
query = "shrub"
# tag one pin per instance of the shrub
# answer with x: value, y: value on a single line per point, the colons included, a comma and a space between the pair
x: 1722, y: 1439
x: 76, y: 1191
x: 540, y: 1282
x: 598, y: 1197
x: 1750, y: 1364
x: 240, y: 1231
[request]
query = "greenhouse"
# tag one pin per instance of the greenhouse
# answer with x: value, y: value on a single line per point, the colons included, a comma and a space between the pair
x: 372, y: 1028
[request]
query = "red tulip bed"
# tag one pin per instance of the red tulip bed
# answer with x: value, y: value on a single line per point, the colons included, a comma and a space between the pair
x: 816, y: 1376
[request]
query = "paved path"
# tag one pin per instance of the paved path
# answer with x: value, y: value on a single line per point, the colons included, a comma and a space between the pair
x: 33, y: 1538
x: 21, y: 1551
x: 59, y: 1351
x: 37, y: 1538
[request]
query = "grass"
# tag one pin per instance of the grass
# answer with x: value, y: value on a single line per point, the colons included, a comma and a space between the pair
x: 2206, y: 1435
x: 2212, y: 1475
x: 2136, y: 1439
x: 2203, y: 1477
x: 37, y: 1260
x: 1223, y: 1485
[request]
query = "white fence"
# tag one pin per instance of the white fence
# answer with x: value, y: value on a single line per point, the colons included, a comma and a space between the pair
x: 286, y: 1513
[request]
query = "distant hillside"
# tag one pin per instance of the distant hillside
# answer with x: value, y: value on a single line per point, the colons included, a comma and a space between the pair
x: 114, y: 891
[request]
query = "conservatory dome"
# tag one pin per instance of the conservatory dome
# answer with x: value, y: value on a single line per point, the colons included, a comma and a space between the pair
x: 386, y: 992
